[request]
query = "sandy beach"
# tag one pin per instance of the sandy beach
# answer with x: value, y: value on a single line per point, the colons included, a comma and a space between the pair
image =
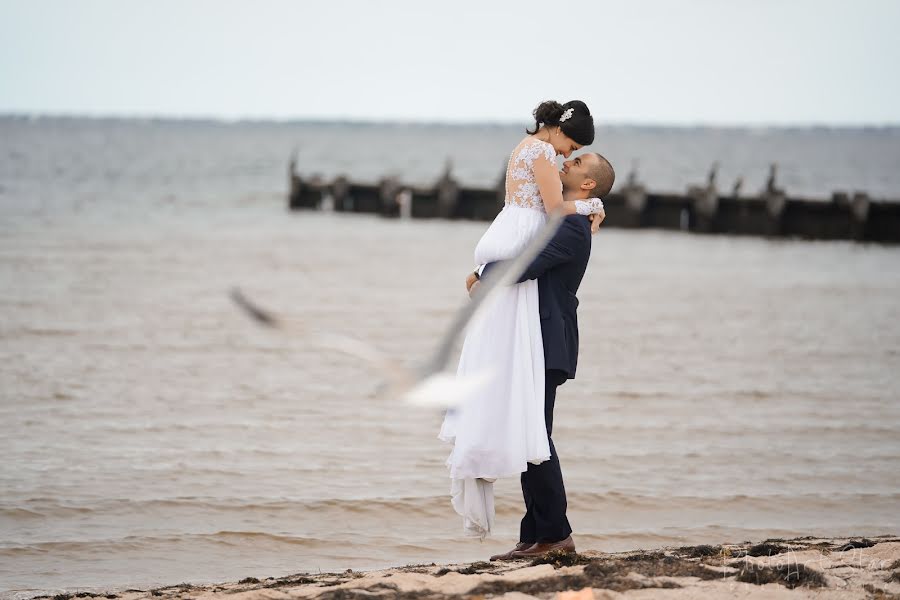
x: 807, y: 567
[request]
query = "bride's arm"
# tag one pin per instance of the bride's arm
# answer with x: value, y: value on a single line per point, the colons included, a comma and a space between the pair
x: 546, y: 176
x: 568, y: 243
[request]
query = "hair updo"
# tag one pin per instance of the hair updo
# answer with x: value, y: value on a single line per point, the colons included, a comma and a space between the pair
x: 579, y: 127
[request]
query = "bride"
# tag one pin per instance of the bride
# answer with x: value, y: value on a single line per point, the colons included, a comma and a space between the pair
x: 501, y: 429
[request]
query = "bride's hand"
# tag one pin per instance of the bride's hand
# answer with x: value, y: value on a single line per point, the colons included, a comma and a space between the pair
x: 596, y: 219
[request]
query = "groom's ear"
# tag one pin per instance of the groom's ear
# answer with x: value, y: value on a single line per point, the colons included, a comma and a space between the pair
x: 588, y: 184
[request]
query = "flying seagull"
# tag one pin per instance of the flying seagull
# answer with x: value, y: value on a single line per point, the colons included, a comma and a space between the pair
x: 430, y: 384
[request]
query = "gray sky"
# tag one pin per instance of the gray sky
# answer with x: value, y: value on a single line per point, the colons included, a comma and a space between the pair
x: 632, y: 61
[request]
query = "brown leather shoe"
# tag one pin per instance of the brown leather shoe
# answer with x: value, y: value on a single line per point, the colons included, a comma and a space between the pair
x: 567, y: 545
x: 508, y: 555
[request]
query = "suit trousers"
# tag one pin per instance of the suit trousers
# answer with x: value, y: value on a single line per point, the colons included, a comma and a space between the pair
x: 542, y: 485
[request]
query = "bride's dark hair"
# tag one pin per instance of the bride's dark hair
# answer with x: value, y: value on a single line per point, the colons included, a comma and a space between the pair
x: 579, y: 127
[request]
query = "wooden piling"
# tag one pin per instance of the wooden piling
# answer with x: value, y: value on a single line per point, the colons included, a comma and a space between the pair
x: 700, y: 209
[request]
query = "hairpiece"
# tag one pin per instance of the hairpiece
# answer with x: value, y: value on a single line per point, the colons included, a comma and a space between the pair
x: 566, y: 115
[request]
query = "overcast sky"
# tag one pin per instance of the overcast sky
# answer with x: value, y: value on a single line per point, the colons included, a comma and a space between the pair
x: 632, y: 61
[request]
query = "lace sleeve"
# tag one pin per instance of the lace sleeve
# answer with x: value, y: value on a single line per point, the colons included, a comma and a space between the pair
x: 523, y: 187
x: 549, y: 152
x: 590, y: 206
x: 547, y: 178
x: 544, y: 154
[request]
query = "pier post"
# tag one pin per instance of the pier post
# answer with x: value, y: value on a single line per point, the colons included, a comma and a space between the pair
x: 882, y: 222
x: 447, y: 193
x: 859, y: 210
x: 295, y: 184
x: 340, y: 192
x: 635, y: 196
x: 775, y: 203
x: 303, y: 193
x: 775, y: 200
x: 388, y: 191
x: 404, y: 203
x: 705, y: 203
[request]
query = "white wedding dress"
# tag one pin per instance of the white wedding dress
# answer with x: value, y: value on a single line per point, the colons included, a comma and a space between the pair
x: 501, y: 429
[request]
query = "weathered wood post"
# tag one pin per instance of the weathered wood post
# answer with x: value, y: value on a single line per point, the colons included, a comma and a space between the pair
x: 318, y: 186
x: 303, y: 193
x: 340, y: 192
x: 883, y: 222
x: 447, y: 193
x: 859, y: 210
x: 635, y: 200
x: 743, y: 207
x: 705, y: 203
x: 775, y: 200
x: 404, y: 203
x: 293, y: 183
x: 388, y: 190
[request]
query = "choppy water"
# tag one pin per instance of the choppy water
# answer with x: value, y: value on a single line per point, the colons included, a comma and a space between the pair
x: 729, y: 388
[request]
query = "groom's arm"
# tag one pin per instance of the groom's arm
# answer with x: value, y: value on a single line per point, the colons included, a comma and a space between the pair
x: 562, y: 248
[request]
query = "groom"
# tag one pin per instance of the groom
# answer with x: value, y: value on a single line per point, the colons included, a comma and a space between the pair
x: 558, y: 269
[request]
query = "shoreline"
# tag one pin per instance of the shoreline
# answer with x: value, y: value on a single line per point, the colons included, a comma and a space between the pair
x: 806, y: 567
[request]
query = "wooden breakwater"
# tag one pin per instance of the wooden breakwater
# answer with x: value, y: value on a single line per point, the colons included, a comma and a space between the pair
x: 702, y: 208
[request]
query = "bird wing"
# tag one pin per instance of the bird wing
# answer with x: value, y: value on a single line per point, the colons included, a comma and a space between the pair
x: 507, y: 273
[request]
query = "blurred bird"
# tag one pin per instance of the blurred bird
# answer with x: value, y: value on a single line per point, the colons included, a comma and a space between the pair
x: 430, y: 384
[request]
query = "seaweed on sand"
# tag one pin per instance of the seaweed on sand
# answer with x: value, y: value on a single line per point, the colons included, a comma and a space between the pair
x: 790, y: 575
x: 607, y: 574
x: 384, y: 590
x: 560, y: 558
x: 701, y: 551
x: 645, y: 556
x: 766, y: 549
x: 292, y: 580
x: 879, y: 594
x: 417, y: 568
x: 473, y: 569
x: 854, y: 544
x: 672, y: 566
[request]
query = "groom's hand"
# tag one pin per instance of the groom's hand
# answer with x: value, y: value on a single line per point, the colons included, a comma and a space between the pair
x: 471, y: 280
x: 596, y: 219
x: 473, y: 288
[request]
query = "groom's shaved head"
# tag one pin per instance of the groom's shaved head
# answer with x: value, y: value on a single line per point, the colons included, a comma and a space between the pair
x: 602, y: 172
x: 589, y: 174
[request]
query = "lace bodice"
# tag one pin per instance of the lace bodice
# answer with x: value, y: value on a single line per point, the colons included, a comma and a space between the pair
x: 521, y: 187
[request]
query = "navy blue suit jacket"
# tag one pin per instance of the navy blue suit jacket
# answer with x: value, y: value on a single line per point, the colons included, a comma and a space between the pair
x: 559, y: 269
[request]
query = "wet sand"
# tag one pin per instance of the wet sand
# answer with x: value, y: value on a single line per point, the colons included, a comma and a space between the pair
x: 807, y: 567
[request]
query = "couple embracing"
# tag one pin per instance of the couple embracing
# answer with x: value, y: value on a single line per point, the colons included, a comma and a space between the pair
x: 528, y: 337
